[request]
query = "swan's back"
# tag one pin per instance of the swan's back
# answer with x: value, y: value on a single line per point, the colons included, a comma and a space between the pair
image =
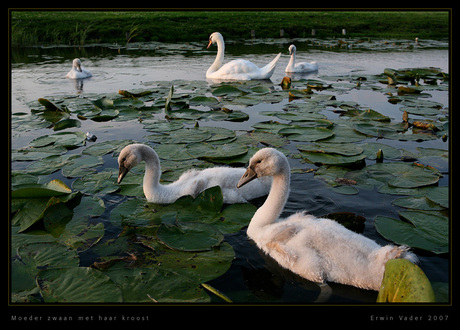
x: 323, y: 250
x: 193, y: 182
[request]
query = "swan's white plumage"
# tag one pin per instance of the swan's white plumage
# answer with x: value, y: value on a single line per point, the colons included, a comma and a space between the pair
x: 77, y: 71
x: 302, y: 67
x: 317, y: 249
x: 236, y: 69
x: 191, y: 182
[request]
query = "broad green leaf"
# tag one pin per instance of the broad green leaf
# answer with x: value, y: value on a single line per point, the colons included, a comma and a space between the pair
x: 189, y: 236
x: 422, y: 229
x: 141, y: 285
x: 77, y: 285
x: 405, y: 282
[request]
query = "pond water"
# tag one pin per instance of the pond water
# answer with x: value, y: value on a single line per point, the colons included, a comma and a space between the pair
x: 40, y: 72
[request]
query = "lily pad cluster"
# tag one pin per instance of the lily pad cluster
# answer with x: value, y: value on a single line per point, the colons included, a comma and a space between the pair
x: 164, y: 253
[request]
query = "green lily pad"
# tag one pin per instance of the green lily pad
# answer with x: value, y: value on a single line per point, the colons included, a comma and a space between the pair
x: 306, y: 134
x: 36, y: 256
x: 148, y: 285
x: 55, y: 210
x: 366, y: 115
x: 77, y: 285
x: 419, y: 203
x: 404, y: 175
x: 405, y: 282
x: 211, y: 152
x: 197, y: 266
x: 69, y: 140
x: 439, y: 195
x: 227, y: 90
x: 332, y: 148
x: 66, y: 123
x: 426, y: 230
x: 204, y: 100
x: 189, y: 236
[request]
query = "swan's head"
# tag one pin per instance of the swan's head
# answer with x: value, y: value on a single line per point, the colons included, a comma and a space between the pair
x: 292, y: 49
x: 213, y: 38
x: 129, y: 157
x: 77, y: 64
x: 265, y: 162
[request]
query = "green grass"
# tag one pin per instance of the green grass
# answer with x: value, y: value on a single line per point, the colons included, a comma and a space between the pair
x: 84, y: 27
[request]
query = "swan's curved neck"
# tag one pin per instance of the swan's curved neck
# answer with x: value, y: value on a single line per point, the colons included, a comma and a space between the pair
x: 219, y: 58
x: 292, y: 60
x: 152, y: 168
x: 270, y: 211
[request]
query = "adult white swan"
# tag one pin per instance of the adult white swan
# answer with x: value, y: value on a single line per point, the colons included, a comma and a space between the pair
x: 191, y: 182
x: 78, y: 72
x: 302, y: 67
x: 236, y: 69
x: 317, y: 249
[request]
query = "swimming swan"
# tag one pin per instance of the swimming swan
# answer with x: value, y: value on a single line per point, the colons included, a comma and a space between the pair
x: 191, y: 182
x: 317, y: 249
x: 237, y: 69
x: 301, y: 67
x: 78, y: 72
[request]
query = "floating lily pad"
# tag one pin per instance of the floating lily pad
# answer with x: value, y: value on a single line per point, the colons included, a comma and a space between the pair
x: 304, y: 134
x: 215, y: 152
x: 36, y: 256
x: 405, y: 282
x: 149, y: 285
x: 404, y: 175
x: 227, y: 90
x: 189, y: 236
x: 422, y: 229
x: 77, y: 285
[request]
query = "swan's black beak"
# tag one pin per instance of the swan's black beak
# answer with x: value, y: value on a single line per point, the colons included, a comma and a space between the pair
x: 247, y: 177
x: 79, y: 67
x: 122, y: 171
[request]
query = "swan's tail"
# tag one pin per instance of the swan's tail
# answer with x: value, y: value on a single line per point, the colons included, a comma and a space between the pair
x: 402, y: 252
x: 267, y: 70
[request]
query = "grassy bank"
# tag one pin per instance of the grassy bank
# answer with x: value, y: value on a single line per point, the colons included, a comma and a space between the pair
x: 84, y: 27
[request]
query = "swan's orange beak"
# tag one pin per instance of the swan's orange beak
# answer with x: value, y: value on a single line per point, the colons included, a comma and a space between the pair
x: 209, y: 44
x: 247, y: 177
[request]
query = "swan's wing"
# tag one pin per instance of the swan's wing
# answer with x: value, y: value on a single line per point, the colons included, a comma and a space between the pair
x: 237, y: 67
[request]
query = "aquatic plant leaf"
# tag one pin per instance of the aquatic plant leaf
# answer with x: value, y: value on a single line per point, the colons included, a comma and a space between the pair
x: 189, y: 236
x: 332, y: 148
x: 203, y: 100
x: 77, y: 285
x: 405, y: 282
x: 141, y: 285
x: 419, y: 203
x: 439, y: 195
x: 371, y: 149
x: 69, y: 140
x: 332, y: 158
x: 404, y: 175
x: 53, y: 188
x: 105, y: 115
x: 35, y: 256
x: 103, y: 148
x: 197, y: 266
x: 306, y: 134
x: 66, y: 123
x: 426, y: 230
x: 366, y: 115
x: 214, y: 153
x: 227, y: 90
